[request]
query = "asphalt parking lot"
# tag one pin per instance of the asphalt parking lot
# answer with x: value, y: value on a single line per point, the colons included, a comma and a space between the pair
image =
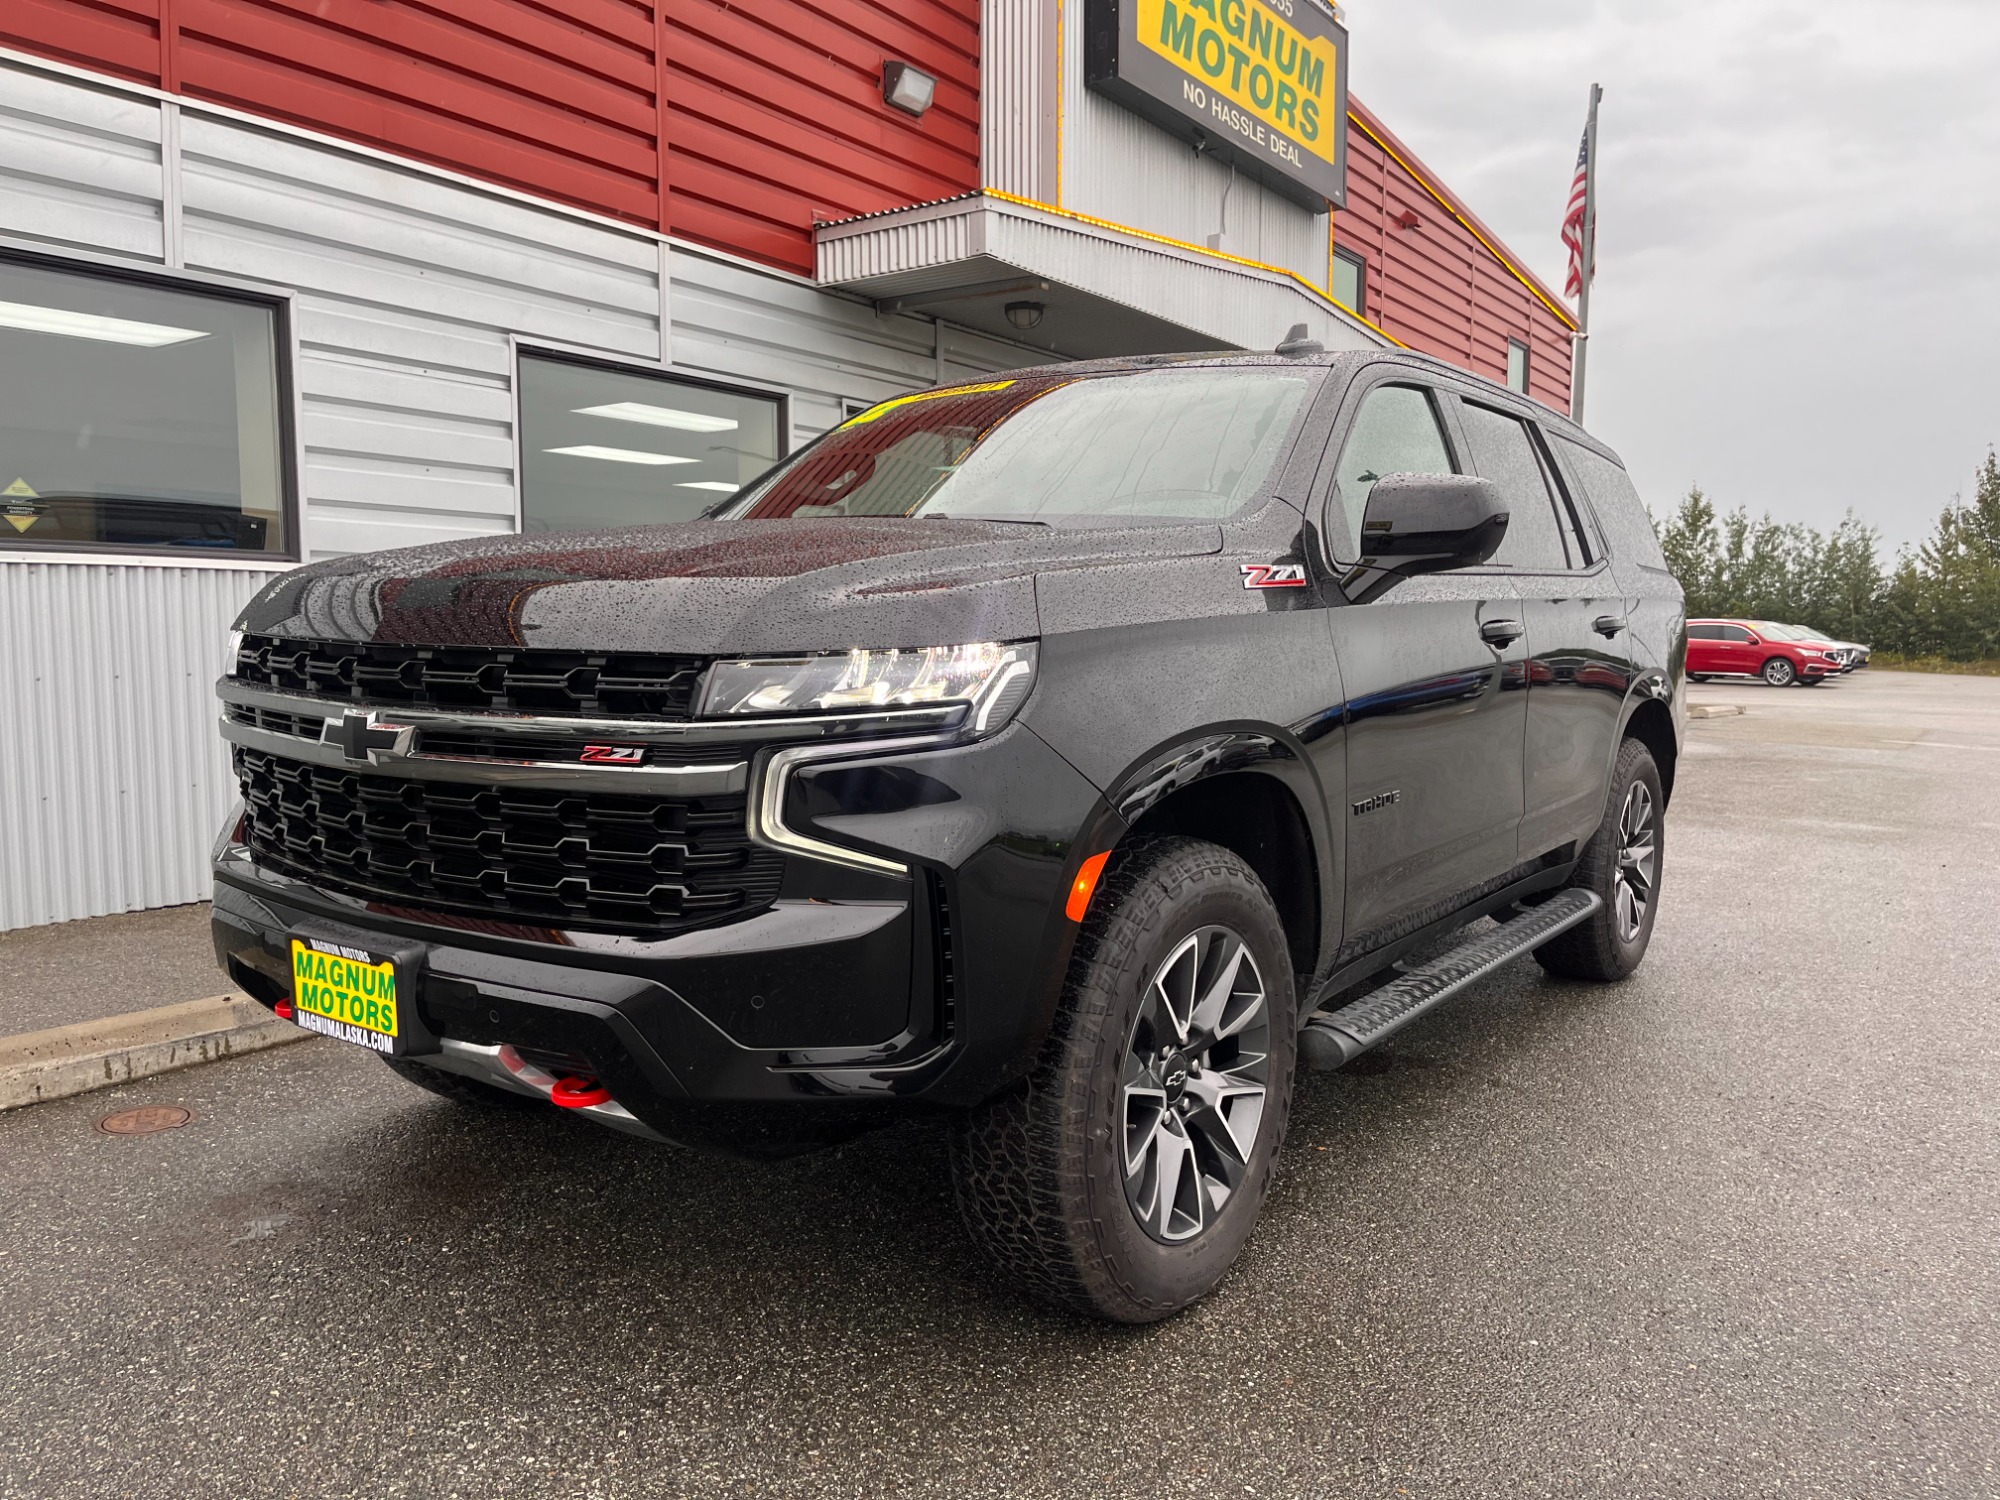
x: 1728, y: 1229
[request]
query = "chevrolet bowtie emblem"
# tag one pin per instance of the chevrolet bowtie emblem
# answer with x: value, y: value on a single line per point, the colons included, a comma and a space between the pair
x: 361, y: 736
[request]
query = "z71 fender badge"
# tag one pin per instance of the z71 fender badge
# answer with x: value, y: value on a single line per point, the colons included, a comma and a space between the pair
x: 1274, y: 575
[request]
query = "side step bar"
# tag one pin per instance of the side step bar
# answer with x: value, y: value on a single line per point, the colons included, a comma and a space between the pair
x: 1332, y: 1039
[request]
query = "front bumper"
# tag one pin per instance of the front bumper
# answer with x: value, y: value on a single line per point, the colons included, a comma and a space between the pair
x: 936, y: 986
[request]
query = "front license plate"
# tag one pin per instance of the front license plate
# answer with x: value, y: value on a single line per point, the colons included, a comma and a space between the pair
x: 345, y: 992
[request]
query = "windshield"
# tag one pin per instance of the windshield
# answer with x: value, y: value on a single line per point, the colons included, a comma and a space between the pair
x: 1169, y: 445
x: 1789, y: 633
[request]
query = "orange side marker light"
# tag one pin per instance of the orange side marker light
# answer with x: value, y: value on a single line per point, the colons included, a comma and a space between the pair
x: 1086, y: 886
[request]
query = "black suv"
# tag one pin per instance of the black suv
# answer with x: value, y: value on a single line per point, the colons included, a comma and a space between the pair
x: 1074, y: 752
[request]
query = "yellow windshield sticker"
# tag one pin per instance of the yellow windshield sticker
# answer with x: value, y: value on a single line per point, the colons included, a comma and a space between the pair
x: 875, y: 413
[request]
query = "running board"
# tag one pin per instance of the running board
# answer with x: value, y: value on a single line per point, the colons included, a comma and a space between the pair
x: 1332, y: 1039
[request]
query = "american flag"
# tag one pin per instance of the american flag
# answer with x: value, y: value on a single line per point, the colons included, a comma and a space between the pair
x: 1572, y: 235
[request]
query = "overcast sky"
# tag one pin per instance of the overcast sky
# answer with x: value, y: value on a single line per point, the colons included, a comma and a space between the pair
x: 1798, y: 293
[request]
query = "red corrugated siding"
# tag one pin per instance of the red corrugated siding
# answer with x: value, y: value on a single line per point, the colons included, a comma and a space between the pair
x: 774, y: 113
x: 116, y: 36
x: 1436, y: 287
x: 775, y: 117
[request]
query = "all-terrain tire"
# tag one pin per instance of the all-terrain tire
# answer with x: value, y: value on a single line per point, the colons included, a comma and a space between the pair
x: 460, y: 1089
x: 1597, y: 948
x: 1039, y: 1171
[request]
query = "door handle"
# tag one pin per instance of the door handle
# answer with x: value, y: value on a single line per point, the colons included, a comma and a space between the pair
x: 1608, y: 625
x: 1501, y: 632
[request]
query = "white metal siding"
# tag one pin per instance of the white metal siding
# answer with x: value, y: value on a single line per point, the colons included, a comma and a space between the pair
x: 1017, y: 97
x: 1118, y: 166
x: 408, y: 290
x: 894, y: 254
x: 113, y: 782
x: 79, y: 167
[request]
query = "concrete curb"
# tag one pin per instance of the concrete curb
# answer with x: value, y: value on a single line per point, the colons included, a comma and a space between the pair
x: 1715, y: 710
x: 66, y: 1060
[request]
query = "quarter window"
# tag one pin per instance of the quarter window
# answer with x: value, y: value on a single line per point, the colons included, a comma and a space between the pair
x: 605, y: 447
x: 1396, y: 432
x: 1617, y: 505
x: 1504, y: 451
x: 137, y: 416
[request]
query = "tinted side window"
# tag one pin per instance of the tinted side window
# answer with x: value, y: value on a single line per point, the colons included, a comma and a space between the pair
x: 1627, y: 525
x: 1396, y: 432
x: 1737, y: 634
x: 1504, y: 452
x: 1704, y: 632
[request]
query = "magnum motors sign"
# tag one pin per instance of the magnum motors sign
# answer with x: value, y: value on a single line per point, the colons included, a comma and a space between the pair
x: 1259, y: 82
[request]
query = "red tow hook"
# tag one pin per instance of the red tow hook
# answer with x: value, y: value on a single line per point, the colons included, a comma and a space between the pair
x: 282, y: 1010
x: 579, y: 1093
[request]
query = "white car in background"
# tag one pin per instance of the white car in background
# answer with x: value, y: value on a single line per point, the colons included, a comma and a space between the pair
x: 1850, y: 654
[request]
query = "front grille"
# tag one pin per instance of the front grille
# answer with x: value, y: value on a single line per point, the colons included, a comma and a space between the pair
x: 562, y: 750
x: 276, y: 721
x: 471, y: 743
x: 595, y: 684
x: 570, y: 859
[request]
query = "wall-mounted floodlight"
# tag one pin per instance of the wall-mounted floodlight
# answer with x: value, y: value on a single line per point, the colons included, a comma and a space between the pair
x: 906, y: 88
x: 1024, y: 315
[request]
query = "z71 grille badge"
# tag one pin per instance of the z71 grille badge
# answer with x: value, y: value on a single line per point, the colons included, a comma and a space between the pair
x: 1274, y: 575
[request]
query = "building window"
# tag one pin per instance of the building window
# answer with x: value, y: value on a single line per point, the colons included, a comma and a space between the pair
x: 1350, y: 281
x: 139, y: 416
x: 603, y: 446
x: 1517, y: 366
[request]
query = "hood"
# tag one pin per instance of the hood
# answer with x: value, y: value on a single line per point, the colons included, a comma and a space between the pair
x: 708, y: 587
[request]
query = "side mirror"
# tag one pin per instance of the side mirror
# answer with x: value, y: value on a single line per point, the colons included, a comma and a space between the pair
x: 1425, y: 523
x: 1429, y: 523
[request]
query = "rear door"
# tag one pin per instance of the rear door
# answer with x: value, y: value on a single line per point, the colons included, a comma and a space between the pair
x: 1580, y: 663
x: 1705, y: 652
x: 1435, y: 672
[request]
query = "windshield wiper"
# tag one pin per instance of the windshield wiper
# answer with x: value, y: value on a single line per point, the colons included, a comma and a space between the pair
x: 998, y: 520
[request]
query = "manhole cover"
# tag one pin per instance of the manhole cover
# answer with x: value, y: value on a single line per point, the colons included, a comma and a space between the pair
x: 145, y: 1120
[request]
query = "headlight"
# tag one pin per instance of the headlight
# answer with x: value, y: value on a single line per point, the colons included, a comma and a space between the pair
x: 233, y: 649
x: 990, y: 677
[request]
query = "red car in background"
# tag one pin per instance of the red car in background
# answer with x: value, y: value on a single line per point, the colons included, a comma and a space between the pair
x: 1750, y: 648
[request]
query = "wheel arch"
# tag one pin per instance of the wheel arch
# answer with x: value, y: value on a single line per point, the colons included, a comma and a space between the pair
x: 1252, y: 794
x: 1651, y: 723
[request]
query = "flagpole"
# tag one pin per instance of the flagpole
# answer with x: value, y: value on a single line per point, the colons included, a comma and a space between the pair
x: 1580, y: 342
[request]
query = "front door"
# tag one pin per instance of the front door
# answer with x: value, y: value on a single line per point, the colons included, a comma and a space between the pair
x: 1740, y: 651
x: 1435, y: 672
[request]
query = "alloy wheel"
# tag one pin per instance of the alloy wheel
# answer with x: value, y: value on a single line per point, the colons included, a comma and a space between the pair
x: 1779, y: 672
x: 1195, y: 1076
x: 1638, y: 861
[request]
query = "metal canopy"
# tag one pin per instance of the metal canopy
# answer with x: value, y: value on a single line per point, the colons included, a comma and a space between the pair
x: 1104, y: 291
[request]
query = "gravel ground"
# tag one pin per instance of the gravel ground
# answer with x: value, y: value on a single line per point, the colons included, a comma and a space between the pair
x: 1726, y: 1230
x: 106, y: 966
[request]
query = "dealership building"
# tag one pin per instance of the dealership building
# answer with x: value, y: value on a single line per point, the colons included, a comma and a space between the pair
x: 282, y: 280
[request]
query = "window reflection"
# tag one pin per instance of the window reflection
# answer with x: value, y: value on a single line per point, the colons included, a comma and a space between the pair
x: 136, y: 416
x: 603, y: 447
